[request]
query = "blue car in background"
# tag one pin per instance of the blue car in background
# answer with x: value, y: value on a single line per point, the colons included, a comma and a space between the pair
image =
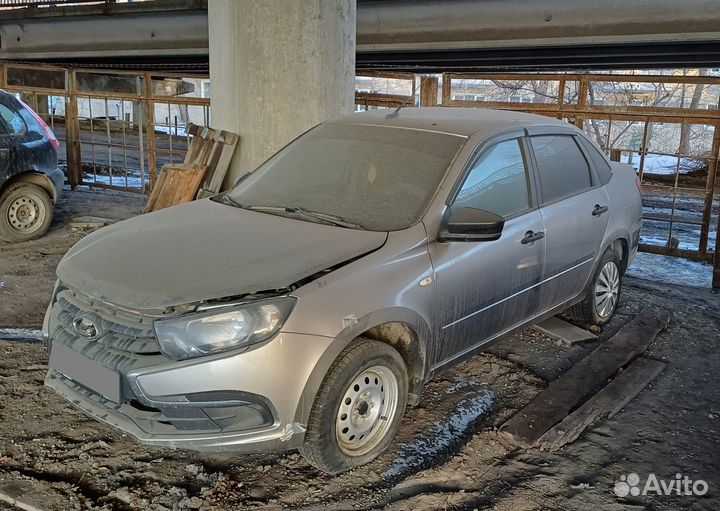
x: 30, y: 179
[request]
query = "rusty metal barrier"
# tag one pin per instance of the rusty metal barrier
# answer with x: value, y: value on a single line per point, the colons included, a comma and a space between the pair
x: 667, y: 126
x: 384, y: 90
x: 118, y: 128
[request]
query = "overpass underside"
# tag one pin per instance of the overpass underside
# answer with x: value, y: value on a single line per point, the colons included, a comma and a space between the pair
x: 400, y: 35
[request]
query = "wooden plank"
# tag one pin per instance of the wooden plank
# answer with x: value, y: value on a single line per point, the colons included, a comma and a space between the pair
x: 564, y: 331
x: 603, y: 405
x: 155, y: 193
x: 195, y: 142
x: 90, y: 222
x: 230, y: 142
x: 179, y: 184
x: 564, y: 393
x: 214, y: 179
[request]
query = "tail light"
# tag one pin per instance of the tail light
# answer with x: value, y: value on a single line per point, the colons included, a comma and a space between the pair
x: 48, y: 132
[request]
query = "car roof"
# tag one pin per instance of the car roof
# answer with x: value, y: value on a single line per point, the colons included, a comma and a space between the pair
x: 453, y: 120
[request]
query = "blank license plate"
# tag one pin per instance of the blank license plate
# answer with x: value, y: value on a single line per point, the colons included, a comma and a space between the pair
x: 86, y: 372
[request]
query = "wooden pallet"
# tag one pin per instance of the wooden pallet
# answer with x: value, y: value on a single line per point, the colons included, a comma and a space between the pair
x: 201, y: 173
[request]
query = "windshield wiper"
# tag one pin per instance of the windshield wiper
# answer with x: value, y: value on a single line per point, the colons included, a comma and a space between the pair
x: 226, y: 199
x: 293, y: 210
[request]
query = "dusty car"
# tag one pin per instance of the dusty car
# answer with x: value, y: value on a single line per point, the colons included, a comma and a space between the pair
x: 30, y: 180
x: 308, y: 305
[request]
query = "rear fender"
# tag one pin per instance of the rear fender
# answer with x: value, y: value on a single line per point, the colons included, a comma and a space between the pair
x: 42, y: 180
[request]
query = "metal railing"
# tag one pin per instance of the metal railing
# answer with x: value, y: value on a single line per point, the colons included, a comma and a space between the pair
x: 666, y: 126
x: 118, y: 128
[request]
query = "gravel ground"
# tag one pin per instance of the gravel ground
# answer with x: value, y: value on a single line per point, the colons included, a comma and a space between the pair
x: 447, y: 454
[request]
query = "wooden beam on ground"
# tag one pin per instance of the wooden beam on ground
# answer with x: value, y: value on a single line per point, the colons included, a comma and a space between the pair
x: 566, y: 332
x: 565, y: 393
x: 603, y: 405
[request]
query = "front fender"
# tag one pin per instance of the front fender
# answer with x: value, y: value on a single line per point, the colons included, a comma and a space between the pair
x: 355, y: 327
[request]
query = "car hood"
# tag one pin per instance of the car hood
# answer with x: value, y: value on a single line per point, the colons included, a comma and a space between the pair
x: 204, y: 250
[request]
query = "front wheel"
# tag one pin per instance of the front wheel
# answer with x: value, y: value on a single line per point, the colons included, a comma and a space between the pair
x: 358, y: 408
x: 603, y: 293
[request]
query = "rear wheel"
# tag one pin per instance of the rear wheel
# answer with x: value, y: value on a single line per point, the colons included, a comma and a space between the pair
x: 25, y: 212
x: 603, y: 293
x: 358, y: 408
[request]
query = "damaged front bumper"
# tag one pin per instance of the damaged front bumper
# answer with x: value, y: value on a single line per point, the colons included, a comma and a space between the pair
x: 134, y: 420
x: 251, y: 401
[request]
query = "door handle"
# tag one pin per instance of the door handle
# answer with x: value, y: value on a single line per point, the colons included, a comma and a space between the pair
x: 532, y: 236
x: 599, y: 210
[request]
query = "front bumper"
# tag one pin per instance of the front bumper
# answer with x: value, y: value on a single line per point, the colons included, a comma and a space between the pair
x: 164, y: 406
x: 249, y: 401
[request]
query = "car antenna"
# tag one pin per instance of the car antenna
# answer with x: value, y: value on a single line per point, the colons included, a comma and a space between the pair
x: 394, y: 114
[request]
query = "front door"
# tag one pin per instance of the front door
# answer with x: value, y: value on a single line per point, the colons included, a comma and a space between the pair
x: 485, y: 287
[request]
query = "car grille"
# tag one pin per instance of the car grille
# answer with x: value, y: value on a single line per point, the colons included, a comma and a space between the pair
x: 126, y: 340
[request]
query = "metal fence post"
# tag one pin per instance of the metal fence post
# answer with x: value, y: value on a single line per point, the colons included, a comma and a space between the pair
x: 583, y: 86
x: 150, y: 129
x: 72, y: 131
x: 428, y: 91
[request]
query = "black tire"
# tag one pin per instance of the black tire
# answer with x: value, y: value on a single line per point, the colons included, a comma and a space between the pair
x: 322, y: 446
x: 586, y: 311
x: 26, y: 212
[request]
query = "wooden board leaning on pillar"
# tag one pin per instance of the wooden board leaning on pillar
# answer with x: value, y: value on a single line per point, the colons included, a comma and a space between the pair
x: 201, y: 173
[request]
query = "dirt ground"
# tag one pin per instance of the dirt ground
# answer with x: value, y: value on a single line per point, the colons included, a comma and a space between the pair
x: 27, y: 270
x: 447, y: 454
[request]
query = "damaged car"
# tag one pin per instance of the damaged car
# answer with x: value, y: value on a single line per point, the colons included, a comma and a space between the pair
x: 307, y: 306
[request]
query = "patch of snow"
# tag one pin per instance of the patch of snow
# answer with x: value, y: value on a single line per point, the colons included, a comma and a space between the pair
x: 671, y: 270
x: 120, y: 180
x: 442, y: 435
x: 661, y: 164
x: 461, y: 383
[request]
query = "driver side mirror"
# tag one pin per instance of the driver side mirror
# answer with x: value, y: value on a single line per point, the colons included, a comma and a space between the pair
x: 470, y: 224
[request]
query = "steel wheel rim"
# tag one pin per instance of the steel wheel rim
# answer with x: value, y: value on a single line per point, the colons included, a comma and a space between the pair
x: 366, y: 411
x: 607, y: 289
x: 26, y: 213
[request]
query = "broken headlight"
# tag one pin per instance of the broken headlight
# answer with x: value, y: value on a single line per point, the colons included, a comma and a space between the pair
x: 222, y: 329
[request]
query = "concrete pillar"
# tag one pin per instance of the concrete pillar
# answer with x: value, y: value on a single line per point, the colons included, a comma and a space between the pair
x: 277, y: 68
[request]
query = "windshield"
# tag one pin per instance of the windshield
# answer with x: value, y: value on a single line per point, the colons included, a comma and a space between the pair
x: 379, y: 178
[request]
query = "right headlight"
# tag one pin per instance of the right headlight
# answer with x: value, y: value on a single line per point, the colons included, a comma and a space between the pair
x: 222, y: 329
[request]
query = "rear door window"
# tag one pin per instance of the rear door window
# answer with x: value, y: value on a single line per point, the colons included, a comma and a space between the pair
x: 13, y: 120
x: 599, y: 161
x: 562, y: 167
x: 497, y: 181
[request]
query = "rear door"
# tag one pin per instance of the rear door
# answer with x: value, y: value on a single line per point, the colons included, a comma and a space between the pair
x: 574, y: 210
x: 486, y: 287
